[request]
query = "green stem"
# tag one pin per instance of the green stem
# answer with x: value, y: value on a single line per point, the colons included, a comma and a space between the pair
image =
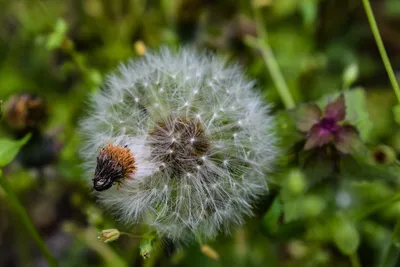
x: 381, y: 47
x: 88, y: 235
x: 269, y: 59
x: 131, y: 235
x: 376, y: 207
x: 355, y: 261
x: 392, y: 252
x: 26, y: 222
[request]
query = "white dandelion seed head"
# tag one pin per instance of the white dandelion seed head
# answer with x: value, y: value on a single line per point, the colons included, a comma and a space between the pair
x: 201, y: 137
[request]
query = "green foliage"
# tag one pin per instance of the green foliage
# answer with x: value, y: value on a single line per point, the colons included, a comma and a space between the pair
x: 271, y: 218
x: 357, y: 112
x: 10, y: 148
x: 56, y: 38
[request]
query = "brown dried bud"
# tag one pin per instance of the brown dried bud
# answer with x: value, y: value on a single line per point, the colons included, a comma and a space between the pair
x: 114, y: 163
x: 25, y: 112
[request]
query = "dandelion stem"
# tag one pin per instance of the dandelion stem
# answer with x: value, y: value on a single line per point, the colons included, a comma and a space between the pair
x: 26, y: 222
x: 381, y: 47
x: 269, y: 59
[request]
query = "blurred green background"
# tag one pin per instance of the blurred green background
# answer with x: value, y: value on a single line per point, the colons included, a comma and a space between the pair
x: 322, y: 209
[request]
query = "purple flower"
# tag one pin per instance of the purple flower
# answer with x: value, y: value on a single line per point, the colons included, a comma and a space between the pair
x: 327, y: 127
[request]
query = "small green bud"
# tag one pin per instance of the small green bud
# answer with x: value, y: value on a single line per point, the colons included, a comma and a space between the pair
x: 383, y: 155
x: 146, y: 247
x: 350, y: 75
x: 295, y: 182
x: 108, y: 235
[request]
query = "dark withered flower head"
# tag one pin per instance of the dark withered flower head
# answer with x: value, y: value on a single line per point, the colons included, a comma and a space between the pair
x: 24, y: 112
x: 113, y: 164
x: 328, y: 126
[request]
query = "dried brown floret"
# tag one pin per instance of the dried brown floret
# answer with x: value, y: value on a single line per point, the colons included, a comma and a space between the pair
x: 114, y: 163
x: 25, y: 111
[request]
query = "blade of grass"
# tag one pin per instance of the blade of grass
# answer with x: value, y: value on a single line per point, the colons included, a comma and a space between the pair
x: 261, y: 43
x: 25, y: 221
x: 381, y: 47
x: 391, y: 254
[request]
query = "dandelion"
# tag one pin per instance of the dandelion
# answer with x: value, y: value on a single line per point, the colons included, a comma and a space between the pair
x: 179, y: 141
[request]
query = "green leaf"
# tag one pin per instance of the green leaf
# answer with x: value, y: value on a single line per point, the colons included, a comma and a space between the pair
x: 271, y: 218
x: 396, y: 235
x: 345, y: 235
x: 357, y: 112
x: 308, y: 206
x: 10, y: 148
x: 57, y: 37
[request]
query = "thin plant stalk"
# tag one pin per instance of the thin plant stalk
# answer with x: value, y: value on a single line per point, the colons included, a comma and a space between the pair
x: 355, y: 261
x: 271, y: 63
x: 381, y: 47
x: 392, y: 253
x: 26, y: 222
